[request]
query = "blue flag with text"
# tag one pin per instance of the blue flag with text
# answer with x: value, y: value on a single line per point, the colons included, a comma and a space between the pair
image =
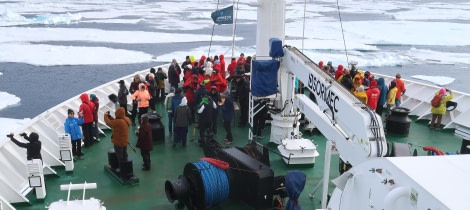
x: 223, y: 16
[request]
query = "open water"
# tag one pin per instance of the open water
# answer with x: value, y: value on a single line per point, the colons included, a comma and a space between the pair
x: 41, y: 88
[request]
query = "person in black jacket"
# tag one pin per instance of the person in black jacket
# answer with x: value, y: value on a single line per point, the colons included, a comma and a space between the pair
x: 174, y: 72
x: 33, y: 148
x: 122, y: 95
x: 242, y: 95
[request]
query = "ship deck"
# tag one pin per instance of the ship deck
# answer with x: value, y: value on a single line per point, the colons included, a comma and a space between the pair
x: 168, y: 163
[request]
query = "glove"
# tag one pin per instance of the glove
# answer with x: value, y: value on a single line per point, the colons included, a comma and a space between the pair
x: 23, y: 134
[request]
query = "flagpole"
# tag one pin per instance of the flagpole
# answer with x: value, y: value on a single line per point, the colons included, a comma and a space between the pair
x: 233, y: 32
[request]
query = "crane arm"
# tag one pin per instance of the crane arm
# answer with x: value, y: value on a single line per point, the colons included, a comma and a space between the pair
x: 355, y: 129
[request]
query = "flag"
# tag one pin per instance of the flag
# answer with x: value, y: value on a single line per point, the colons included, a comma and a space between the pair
x: 223, y: 16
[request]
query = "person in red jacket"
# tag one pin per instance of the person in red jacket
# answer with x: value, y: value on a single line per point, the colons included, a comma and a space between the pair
x: 222, y: 66
x: 373, y: 94
x: 144, y: 141
x: 401, y: 90
x: 202, y: 60
x: 339, y: 72
x: 242, y: 59
x: 86, y: 110
x: 231, y: 67
x: 218, y: 81
x: 191, y: 85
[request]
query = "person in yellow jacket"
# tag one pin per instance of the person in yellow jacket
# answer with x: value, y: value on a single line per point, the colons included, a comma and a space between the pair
x: 392, y: 93
x: 438, y: 112
x: 142, y: 96
x: 361, y: 94
x: 356, y: 81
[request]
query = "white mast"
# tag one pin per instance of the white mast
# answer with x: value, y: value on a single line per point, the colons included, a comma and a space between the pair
x: 271, y: 24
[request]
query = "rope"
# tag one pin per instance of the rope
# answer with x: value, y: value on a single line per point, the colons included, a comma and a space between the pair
x: 342, y: 32
x: 216, y: 185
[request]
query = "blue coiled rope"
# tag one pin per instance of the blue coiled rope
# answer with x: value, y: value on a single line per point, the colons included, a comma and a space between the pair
x: 215, y: 183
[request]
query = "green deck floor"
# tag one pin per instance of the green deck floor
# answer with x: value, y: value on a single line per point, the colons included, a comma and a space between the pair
x: 168, y: 164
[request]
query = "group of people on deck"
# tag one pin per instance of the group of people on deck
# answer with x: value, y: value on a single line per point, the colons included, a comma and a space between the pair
x: 376, y: 94
x: 373, y: 92
x: 202, y: 92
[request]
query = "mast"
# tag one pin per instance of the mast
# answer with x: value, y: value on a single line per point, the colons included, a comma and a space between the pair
x: 271, y: 24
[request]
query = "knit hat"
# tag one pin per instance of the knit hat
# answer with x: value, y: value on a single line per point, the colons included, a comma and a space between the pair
x: 121, y: 82
x: 365, y: 82
x: 214, y: 87
x: 152, y: 70
x: 442, y: 91
x: 69, y: 111
x: 151, y: 75
x: 320, y: 64
x: 179, y: 90
x: 329, y: 63
x: 398, y: 76
x: 92, y: 96
x: 360, y: 89
x: 226, y: 93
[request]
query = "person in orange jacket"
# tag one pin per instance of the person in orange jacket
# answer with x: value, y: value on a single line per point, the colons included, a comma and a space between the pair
x: 142, y: 96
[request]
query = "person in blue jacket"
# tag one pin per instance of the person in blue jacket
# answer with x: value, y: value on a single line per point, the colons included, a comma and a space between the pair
x: 227, y: 107
x: 383, y: 95
x: 72, y: 127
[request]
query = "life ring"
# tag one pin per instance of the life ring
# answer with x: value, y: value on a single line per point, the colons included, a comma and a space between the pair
x: 433, y: 149
x: 217, y: 163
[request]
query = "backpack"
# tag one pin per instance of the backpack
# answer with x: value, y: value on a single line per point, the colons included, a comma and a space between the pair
x: 436, y: 101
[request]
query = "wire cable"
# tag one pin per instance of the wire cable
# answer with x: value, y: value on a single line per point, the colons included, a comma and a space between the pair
x: 342, y: 32
x: 235, y: 24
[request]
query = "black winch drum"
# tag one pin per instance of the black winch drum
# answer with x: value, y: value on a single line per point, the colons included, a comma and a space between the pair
x: 399, y: 122
x: 158, y: 129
